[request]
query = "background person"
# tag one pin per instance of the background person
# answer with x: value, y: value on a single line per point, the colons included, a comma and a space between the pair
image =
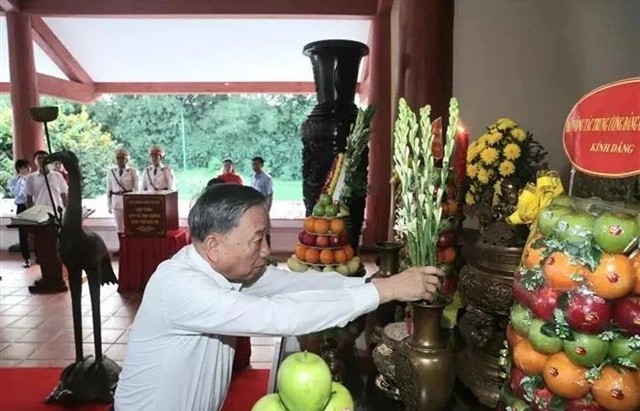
x: 16, y: 188
x: 157, y: 177
x: 228, y: 174
x: 120, y: 180
x: 262, y: 181
x: 181, y: 345
x: 36, y: 188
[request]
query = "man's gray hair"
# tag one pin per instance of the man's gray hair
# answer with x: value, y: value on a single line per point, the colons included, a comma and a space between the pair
x: 220, y: 207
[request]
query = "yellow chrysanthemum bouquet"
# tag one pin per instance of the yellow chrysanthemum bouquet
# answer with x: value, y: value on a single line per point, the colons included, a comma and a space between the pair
x: 505, y: 151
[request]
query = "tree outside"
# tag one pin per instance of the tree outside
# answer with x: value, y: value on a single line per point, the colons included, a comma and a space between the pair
x: 196, y: 131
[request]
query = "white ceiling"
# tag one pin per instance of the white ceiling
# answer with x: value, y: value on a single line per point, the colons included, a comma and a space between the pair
x: 189, y: 50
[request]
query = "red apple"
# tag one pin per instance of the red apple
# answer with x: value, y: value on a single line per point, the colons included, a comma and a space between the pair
x: 544, y: 301
x: 542, y: 399
x: 344, y: 238
x: 309, y: 240
x: 335, y: 241
x: 445, y: 239
x: 626, y: 314
x: 588, y: 313
x: 301, y: 237
x: 448, y: 285
x: 515, y: 381
x: 521, y: 294
x: 584, y: 404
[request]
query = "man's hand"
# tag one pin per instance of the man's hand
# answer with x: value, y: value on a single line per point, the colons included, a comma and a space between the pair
x: 415, y: 283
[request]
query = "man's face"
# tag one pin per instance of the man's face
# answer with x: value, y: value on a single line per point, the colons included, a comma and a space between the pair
x: 24, y: 170
x: 40, y: 161
x: 227, y: 167
x: 256, y: 166
x: 121, y: 161
x: 155, y: 159
x: 241, y: 254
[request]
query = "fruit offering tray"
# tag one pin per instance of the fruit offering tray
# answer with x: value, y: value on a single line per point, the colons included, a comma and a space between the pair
x: 574, y: 331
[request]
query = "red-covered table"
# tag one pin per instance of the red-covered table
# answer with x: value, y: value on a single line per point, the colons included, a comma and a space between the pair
x: 140, y: 256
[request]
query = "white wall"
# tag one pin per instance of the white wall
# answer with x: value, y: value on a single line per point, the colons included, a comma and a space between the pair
x: 533, y: 59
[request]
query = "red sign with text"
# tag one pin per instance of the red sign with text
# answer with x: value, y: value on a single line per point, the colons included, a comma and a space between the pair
x: 602, y: 133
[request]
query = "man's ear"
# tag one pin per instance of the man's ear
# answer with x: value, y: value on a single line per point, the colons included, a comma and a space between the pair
x: 212, y: 246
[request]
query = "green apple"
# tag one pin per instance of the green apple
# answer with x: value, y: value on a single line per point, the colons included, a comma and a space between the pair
x: 341, y: 399
x: 575, y: 228
x: 541, y: 342
x: 353, y: 265
x: 270, y: 402
x: 519, y: 405
x: 615, y: 232
x: 318, y: 210
x: 297, y: 266
x: 304, y: 382
x: 587, y: 350
x: 325, y: 199
x: 342, y: 269
x: 548, y: 218
x: 564, y: 201
x: 620, y: 348
x: 521, y: 319
x: 330, y: 210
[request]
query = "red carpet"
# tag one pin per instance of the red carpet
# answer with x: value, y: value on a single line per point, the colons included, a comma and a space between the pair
x: 24, y: 389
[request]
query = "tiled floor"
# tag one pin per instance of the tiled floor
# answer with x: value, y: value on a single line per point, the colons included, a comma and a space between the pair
x: 37, y: 330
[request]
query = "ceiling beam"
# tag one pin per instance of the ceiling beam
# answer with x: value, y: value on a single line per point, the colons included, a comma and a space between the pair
x: 9, y: 5
x: 57, y: 52
x: 65, y: 89
x: 275, y: 87
x: 227, y: 8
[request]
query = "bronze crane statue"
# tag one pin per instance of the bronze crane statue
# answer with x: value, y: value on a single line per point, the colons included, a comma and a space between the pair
x: 91, y: 378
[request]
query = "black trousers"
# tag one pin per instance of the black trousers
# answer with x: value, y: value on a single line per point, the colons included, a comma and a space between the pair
x: 23, y: 235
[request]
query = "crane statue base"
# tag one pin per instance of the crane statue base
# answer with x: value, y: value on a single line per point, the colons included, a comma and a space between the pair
x: 86, y: 381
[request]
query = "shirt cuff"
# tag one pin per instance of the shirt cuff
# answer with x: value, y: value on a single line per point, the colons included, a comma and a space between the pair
x: 349, y: 282
x: 365, y: 297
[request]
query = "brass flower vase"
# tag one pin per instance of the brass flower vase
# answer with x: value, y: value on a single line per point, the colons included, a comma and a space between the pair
x: 486, y: 282
x: 424, y: 369
x: 389, y: 253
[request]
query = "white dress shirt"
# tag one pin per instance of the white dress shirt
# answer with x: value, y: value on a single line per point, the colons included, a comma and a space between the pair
x: 158, y: 179
x: 118, y: 184
x: 182, y: 343
x: 36, y: 187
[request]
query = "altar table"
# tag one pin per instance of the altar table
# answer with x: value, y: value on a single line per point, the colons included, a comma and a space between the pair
x: 140, y: 256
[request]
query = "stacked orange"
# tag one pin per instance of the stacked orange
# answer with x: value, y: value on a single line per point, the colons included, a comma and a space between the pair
x: 574, y: 333
x: 323, y: 245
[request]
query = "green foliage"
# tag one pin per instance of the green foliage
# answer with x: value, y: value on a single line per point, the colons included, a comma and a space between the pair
x: 215, y: 127
x: 6, y: 147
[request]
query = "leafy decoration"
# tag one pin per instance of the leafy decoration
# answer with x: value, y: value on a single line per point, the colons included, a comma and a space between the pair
x: 549, y: 329
x: 532, y: 278
x: 626, y: 362
x: 608, y: 335
x: 562, y: 329
x: 529, y: 385
x: 587, y: 253
x: 634, y: 343
x: 593, y: 374
x: 557, y: 404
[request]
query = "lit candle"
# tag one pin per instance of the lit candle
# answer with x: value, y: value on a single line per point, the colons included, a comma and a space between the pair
x: 460, y: 159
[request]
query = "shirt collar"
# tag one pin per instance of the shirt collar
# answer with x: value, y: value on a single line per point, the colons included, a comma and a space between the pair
x: 204, y: 266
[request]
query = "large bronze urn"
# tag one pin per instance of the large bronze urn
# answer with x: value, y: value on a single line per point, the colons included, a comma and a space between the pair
x: 487, y: 284
x: 324, y: 133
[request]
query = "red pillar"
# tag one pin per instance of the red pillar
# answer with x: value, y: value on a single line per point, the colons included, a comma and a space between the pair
x: 426, y: 36
x: 379, y: 95
x: 27, y: 134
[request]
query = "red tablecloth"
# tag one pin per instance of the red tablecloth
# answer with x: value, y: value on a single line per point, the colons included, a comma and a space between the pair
x: 140, y: 256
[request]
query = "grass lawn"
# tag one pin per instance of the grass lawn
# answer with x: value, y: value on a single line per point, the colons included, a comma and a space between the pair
x: 191, y: 181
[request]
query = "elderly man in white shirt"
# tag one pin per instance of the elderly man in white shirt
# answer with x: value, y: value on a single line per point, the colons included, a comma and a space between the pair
x: 181, y: 344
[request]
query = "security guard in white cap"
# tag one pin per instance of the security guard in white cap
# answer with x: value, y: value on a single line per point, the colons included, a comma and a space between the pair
x: 157, y: 177
x: 120, y: 180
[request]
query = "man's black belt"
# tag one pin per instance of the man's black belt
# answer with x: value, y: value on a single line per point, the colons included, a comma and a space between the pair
x: 119, y: 193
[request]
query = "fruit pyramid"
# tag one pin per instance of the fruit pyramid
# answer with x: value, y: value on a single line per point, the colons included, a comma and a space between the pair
x: 323, y: 244
x: 574, y: 333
